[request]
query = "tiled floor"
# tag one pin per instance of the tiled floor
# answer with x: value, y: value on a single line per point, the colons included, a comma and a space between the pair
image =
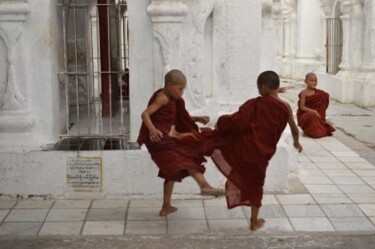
x: 339, y: 197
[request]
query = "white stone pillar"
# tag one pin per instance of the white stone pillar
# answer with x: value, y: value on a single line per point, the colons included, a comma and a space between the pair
x: 289, y: 36
x: 237, y: 43
x: 367, y: 94
x: 270, y: 36
x: 278, y: 21
x: 166, y: 17
x: 356, y: 34
x: 306, y: 29
x: 368, y: 52
x: 15, y: 115
x: 346, y: 9
x: 326, y: 11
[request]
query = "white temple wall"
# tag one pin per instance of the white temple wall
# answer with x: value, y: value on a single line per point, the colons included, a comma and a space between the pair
x: 43, y: 48
x: 307, y: 52
x: 141, y: 61
x: 270, y: 36
x: 215, y: 42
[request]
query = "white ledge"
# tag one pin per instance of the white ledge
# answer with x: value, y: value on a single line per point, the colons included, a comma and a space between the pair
x: 13, y: 11
x: 165, y: 11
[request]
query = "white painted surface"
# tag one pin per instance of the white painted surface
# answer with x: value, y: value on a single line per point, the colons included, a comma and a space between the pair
x: 130, y: 172
x: 220, y: 51
x: 355, y: 81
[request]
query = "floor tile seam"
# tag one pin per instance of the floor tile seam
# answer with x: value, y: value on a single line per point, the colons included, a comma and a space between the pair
x: 362, y: 211
x: 340, y: 186
x: 44, y: 221
x: 325, y: 175
x: 5, y: 217
x: 85, y: 218
x: 288, y: 218
x: 366, y: 218
x: 205, y: 216
x: 126, y: 217
x: 337, y: 185
x: 320, y: 204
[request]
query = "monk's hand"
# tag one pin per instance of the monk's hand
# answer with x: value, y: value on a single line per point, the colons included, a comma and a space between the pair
x: 281, y: 90
x: 298, y: 146
x: 156, y: 136
x: 203, y: 119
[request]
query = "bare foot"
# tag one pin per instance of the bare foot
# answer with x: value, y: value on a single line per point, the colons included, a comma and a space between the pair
x: 167, y: 210
x: 213, y: 191
x: 255, y: 225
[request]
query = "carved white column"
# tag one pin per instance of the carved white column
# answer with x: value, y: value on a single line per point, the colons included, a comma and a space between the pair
x: 14, y: 104
x: 278, y: 20
x: 326, y: 11
x: 166, y: 17
x: 368, y: 59
x: 368, y: 55
x: 356, y: 34
x: 196, y: 51
x: 346, y: 9
x: 289, y: 34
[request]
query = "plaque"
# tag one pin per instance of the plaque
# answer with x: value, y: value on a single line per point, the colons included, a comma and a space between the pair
x: 84, y: 174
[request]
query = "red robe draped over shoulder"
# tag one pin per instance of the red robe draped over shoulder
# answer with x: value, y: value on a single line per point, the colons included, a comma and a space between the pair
x: 312, y: 125
x: 252, y: 135
x: 172, y: 157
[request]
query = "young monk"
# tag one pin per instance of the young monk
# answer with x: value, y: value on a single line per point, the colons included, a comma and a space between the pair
x: 175, y: 160
x: 312, y: 106
x: 246, y: 141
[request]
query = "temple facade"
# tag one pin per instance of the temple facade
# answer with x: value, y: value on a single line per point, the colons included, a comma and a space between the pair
x: 333, y: 38
x: 84, y: 70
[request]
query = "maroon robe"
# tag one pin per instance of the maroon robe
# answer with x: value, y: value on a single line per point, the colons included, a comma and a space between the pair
x: 172, y: 157
x: 312, y: 125
x: 252, y: 134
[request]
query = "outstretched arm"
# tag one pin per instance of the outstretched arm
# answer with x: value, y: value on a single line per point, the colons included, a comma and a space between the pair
x: 155, y: 134
x: 293, y: 129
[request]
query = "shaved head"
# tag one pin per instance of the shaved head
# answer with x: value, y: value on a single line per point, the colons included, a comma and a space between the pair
x: 310, y: 75
x: 174, y: 77
x: 270, y: 79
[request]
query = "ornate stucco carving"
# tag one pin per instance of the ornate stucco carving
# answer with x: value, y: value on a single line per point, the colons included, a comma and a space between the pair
x: 193, y: 51
x: 166, y: 17
x: 14, y: 109
x: 10, y: 97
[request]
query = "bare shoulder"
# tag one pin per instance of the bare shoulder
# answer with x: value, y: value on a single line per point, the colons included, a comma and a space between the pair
x: 303, y: 92
x: 161, y: 99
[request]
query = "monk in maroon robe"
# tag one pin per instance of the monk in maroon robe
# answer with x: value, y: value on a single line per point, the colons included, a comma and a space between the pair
x: 247, y: 140
x: 312, y: 106
x: 176, y: 160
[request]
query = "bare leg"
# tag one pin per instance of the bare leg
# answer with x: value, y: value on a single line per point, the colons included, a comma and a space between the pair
x: 167, y: 195
x: 255, y: 223
x: 206, y: 188
x: 180, y: 136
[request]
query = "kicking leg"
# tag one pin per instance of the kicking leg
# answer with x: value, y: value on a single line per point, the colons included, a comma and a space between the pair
x: 206, y: 188
x: 255, y: 223
x: 167, y: 195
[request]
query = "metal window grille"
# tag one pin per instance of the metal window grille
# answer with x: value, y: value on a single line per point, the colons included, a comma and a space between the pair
x: 95, y: 73
x: 334, y: 44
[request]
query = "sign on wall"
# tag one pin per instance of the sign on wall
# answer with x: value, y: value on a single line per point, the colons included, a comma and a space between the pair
x: 84, y: 174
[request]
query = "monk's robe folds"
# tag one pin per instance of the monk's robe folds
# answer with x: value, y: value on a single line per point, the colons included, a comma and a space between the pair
x: 251, y: 134
x: 172, y: 157
x: 312, y: 125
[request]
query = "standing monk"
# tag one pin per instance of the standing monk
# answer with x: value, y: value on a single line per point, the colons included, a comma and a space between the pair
x: 250, y: 138
x: 166, y: 112
x: 312, y: 106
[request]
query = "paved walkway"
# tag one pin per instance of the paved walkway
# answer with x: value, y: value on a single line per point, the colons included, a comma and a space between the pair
x: 335, y: 193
